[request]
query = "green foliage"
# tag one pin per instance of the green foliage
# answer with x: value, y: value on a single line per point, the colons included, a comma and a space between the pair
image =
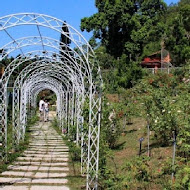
x: 15, y: 153
x: 137, y: 174
x: 163, y: 99
x: 32, y: 120
x: 109, y: 180
x: 166, y: 103
x: 125, y: 75
x: 55, y: 124
x: 183, y: 177
x: 72, y: 132
x: 5, y: 62
x: 128, y: 105
x: 111, y: 128
x: 106, y: 60
x: 128, y: 74
x: 181, y: 174
x: 150, y: 48
x: 131, y: 30
x: 75, y: 151
x: 178, y: 33
x: 124, y: 26
x: 138, y: 170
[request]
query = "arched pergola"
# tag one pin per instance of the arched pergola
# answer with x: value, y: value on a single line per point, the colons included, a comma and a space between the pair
x: 43, y: 62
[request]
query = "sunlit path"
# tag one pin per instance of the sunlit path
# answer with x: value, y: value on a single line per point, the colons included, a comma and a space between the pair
x: 44, y: 165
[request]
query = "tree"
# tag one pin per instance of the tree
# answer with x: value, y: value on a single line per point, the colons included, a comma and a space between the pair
x: 106, y: 60
x: 178, y: 33
x: 184, y: 2
x: 124, y: 26
x: 65, y: 41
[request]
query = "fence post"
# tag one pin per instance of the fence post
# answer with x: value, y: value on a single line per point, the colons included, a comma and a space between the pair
x: 173, y: 157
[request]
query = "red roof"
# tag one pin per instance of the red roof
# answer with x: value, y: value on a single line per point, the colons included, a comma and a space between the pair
x: 148, y: 62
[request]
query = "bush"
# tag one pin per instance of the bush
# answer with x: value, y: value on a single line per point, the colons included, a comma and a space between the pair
x: 166, y: 102
x: 111, y: 128
x: 183, y: 178
x: 75, y: 152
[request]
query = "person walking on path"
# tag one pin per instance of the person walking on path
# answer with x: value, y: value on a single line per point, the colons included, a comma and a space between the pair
x: 46, y: 111
x: 41, y: 109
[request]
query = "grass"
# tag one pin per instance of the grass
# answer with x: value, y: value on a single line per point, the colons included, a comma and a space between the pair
x: 12, y: 153
x: 127, y: 149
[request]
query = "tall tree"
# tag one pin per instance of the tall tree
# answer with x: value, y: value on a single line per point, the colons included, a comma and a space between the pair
x: 65, y: 42
x: 124, y: 26
x: 178, y: 33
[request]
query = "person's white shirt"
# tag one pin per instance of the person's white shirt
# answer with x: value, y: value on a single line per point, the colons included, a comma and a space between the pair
x: 41, y: 105
x: 46, y: 106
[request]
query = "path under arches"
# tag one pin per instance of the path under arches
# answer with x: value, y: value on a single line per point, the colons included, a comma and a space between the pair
x: 43, y: 166
x: 52, y: 56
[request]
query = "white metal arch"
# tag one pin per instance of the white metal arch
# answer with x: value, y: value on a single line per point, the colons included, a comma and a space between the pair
x: 80, y: 67
x: 25, y: 73
x: 42, y: 76
x: 49, y: 22
x: 73, y: 97
x: 25, y: 100
x: 49, y: 42
x: 75, y: 114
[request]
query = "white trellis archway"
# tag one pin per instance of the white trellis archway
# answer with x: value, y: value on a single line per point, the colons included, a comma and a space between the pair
x: 43, y: 62
x: 41, y: 74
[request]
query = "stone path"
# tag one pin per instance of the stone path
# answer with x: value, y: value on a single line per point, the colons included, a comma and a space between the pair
x: 43, y: 166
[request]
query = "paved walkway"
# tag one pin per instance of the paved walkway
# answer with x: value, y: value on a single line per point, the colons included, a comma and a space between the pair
x: 43, y: 166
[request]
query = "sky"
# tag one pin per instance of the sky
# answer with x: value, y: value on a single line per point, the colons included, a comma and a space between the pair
x: 70, y: 10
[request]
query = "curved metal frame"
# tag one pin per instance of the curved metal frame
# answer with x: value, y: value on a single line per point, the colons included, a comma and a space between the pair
x: 74, y: 76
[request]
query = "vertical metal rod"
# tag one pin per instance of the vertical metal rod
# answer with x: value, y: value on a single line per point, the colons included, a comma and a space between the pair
x: 124, y: 123
x: 140, y: 148
x: 173, y: 157
x: 89, y: 138
x: 5, y: 129
x: 72, y: 107
x: 148, y: 135
x: 66, y: 109
x: 77, y: 118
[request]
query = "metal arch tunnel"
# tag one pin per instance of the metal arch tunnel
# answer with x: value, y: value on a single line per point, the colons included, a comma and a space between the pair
x: 43, y: 62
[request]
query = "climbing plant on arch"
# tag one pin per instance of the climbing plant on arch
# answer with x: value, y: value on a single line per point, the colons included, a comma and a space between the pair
x: 43, y: 62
